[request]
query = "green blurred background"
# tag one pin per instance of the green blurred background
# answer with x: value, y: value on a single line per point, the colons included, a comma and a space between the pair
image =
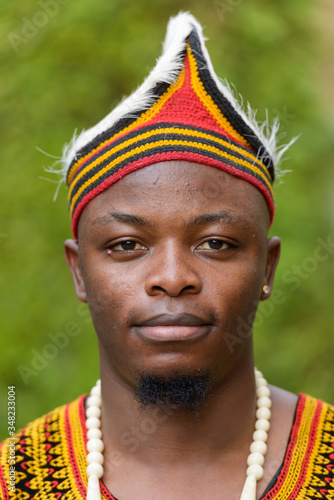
x: 64, y: 65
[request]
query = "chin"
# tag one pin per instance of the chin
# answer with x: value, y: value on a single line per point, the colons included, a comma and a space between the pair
x: 185, y: 390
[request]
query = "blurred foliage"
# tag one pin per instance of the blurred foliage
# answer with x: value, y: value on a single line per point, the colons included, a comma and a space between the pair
x: 64, y: 70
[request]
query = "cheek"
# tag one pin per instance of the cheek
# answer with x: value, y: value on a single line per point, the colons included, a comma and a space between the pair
x: 238, y: 295
x: 242, y: 311
x: 109, y: 291
x: 109, y: 296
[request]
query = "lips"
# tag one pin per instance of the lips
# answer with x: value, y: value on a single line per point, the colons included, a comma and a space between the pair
x: 169, y: 328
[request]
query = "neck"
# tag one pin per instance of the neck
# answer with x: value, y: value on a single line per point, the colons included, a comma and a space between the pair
x: 162, y: 436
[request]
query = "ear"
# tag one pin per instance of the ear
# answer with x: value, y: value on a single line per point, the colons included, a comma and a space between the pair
x: 274, y: 250
x: 72, y: 259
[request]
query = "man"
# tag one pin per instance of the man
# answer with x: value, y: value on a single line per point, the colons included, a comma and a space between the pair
x: 171, y: 201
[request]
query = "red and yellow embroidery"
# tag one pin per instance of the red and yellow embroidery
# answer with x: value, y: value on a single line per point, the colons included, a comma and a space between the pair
x: 51, y: 457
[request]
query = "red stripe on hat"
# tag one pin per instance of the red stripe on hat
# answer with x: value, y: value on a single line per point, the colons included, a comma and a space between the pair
x: 169, y: 156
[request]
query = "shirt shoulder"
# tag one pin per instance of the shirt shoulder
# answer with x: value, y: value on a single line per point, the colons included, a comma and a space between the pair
x: 307, y: 471
x: 34, y: 459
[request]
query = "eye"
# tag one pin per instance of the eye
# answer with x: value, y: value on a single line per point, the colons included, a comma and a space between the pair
x: 214, y: 244
x: 125, y: 246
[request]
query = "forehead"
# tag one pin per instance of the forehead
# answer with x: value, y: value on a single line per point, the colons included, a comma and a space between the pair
x: 178, y: 190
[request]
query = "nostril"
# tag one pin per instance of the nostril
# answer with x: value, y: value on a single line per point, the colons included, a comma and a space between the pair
x: 173, y: 292
x: 159, y: 289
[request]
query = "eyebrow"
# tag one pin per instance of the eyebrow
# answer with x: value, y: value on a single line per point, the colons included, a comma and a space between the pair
x: 135, y: 220
x: 223, y: 216
x: 203, y: 219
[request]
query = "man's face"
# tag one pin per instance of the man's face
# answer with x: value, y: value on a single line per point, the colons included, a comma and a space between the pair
x: 172, y: 260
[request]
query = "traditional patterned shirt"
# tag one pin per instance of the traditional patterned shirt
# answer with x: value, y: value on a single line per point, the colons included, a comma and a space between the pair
x: 50, y: 457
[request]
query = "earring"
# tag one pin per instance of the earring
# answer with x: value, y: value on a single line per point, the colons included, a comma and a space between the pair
x: 265, y: 289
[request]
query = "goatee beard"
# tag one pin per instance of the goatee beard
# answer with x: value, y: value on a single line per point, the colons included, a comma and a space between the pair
x: 187, y: 391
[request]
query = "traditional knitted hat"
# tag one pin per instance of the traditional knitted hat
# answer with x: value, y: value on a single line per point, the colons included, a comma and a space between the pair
x: 182, y: 111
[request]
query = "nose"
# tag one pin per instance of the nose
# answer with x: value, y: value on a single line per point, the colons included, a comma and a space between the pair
x: 172, y: 272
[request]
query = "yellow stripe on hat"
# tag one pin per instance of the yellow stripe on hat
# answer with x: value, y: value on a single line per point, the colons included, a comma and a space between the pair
x: 208, y: 102
x: 175, y: 130
x: 161, y: 143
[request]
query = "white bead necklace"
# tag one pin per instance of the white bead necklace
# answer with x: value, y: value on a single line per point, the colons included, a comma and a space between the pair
x: 255, y: 459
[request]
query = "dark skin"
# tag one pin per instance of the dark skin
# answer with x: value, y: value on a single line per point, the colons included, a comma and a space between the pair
x: 175, y: 238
